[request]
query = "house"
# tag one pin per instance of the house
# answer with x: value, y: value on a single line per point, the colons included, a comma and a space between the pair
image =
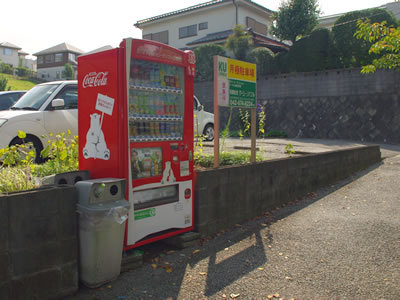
x: 329, y: 21
x: 15, y: 57
x: 51, y: 62
x: 9, y: 54
x: 211, y: 22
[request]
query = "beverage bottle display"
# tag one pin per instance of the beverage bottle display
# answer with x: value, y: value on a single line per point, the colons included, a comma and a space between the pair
x: 162, y: 74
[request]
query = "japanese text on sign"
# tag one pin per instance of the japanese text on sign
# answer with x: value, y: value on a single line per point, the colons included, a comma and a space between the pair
x: 236, y: 83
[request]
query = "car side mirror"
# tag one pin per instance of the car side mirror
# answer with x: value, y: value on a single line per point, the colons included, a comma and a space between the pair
x: 57, y: 103
x: 201, y: 107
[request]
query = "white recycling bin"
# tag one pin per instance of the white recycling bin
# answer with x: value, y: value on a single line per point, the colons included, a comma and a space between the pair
x: 103, y: 211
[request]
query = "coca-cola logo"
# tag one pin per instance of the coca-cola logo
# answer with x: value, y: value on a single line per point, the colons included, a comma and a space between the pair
x: 95, y: 79
x: 191, y: 58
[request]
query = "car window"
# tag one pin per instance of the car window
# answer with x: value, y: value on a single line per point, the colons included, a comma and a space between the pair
x: 6, y: 101
x: 36, y: 96
x: 194, y: 104
x: 70, y: 96
x: 15, y: 96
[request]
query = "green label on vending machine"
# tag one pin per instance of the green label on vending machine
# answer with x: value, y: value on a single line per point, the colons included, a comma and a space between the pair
x: 146, y: 213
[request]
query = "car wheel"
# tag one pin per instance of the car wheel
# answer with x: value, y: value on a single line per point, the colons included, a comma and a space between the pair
x: 209, y: 132
x: 33, y: 144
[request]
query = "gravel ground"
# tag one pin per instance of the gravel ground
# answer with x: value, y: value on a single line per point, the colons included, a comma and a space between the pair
x: 340, y: 242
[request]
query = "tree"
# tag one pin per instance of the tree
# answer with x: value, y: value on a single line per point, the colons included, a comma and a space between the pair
x: 386, y: 45
x: 68, y: 72
x: 295, y: 18
x: 240, y: 42
x: 353, y: 52
x: 205, y: 62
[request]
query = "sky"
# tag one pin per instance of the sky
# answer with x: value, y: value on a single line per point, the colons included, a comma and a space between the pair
x: 87, y: 24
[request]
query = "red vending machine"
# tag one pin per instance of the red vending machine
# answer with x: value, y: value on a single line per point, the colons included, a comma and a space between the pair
x: 135, y: 118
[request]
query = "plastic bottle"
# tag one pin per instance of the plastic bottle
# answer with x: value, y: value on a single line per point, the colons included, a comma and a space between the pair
x: 162, y: 74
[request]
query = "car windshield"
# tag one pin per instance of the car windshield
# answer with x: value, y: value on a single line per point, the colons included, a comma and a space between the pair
x: 35, y: 97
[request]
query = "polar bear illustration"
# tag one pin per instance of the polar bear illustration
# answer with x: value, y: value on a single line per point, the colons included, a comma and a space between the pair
x: 96, y: 146
x: 168, y: 174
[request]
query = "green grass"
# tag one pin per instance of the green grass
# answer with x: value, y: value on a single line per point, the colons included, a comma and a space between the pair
x: 17, y: 84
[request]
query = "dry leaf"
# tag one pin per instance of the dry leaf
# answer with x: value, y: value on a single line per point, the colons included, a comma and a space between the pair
x: 233, y: 296
x: 154, y: 266
x: 203, y: 273
x: 196, y: 251
x: 168, y: 269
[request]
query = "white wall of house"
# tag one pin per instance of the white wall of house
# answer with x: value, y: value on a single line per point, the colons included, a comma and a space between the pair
x: 51, y: 74
x: 219, y: 18
x: 9, y: 56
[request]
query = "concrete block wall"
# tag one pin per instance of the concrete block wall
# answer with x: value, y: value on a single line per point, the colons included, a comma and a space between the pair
x: 38, y: 244
x: 335, y: 104
x: 230, y: 195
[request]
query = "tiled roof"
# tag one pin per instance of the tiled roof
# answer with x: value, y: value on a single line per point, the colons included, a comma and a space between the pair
x: 9, y: 45
x: 192, y: 8
x: 212, y: 37
x: 20, y: 52
x: 63, y: 47
x: 259, y: 39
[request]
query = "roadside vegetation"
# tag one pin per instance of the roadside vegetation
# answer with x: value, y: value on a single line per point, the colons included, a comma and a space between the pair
x: 14, y: 83
x: 312, y: 49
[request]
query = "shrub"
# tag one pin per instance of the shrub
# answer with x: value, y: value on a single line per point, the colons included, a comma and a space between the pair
x: 354, y: 52
x: 315, y: 52
x: 225, y: 158
x: 6, y: 68
x: 263, y: 58
x: 205, y: 62
x: 23, y: 72
x: 277, y: 133
x: 3, y: 83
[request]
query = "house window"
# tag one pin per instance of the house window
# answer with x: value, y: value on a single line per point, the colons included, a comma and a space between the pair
x: 257, y: 26
x: 203, y: 25
x: 40, y: 60
x: 7, y: 51
x: 187, y: 31
x: 48, y: 59
x: 161, y: 37
x: 71, y: 56
x: 59, y: 57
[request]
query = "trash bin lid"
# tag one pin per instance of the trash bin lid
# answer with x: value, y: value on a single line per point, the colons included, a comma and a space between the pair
x: 102, y: 207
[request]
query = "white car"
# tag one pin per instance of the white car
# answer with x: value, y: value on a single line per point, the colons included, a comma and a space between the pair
x: 46, y: 108
x: 52, y: 107
x: 203, y: 121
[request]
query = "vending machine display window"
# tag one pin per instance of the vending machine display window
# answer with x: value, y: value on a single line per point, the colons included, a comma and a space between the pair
x: 156, y: 101
x: 146, y: 162
x: 154, y: 197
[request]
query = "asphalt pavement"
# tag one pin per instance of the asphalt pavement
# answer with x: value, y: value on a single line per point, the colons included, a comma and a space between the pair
x: 339, y: 242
